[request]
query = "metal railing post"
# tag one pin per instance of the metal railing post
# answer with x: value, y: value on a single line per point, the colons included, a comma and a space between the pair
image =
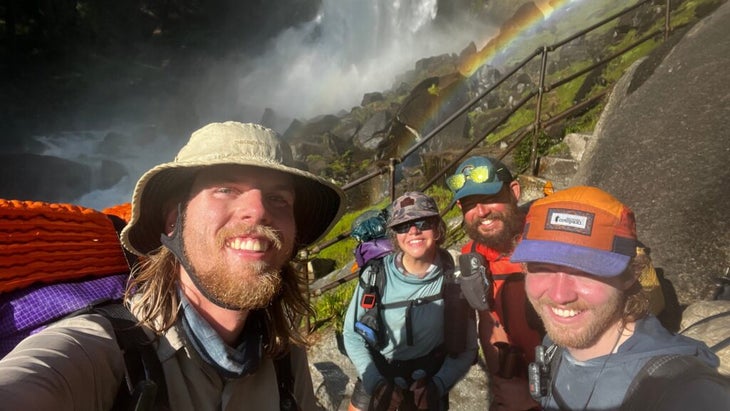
x: 304, y: 257
x: 391, y: 171
x: 667, y: 19
x: 538, y: 111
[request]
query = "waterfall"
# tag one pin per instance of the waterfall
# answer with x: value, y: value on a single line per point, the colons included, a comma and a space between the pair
x: 351, y: 48
x: 324, y: 66
x: 142, y: 151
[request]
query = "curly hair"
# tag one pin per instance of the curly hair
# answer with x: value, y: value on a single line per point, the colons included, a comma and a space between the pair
x: 152, y: 291
x: 636, y: 300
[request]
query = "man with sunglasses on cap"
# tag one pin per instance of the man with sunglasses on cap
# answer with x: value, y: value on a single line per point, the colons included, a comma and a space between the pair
x: 509, y: 330
x: 604, y: 351
x: 215, y: 231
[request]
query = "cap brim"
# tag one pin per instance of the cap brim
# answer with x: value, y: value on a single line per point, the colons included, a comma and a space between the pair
x: 589, y: 260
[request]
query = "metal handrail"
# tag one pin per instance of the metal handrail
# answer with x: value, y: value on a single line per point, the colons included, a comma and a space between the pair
x: 516, y: 136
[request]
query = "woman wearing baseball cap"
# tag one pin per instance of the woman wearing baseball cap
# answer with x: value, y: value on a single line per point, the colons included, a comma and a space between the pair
x: 394, y: 327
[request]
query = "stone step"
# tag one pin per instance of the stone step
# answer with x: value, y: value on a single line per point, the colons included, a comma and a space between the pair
x: 559, y: 171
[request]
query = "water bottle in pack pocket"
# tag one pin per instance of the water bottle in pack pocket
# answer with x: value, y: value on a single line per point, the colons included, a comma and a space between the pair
x: 474, y: 281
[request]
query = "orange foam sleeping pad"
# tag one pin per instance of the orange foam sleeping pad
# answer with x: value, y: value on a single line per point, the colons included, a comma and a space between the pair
x: 51, y: 242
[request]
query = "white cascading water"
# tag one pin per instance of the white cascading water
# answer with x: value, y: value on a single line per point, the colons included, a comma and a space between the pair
x: 325, y: 66
x: 83, y: 147
x: 353, y: 47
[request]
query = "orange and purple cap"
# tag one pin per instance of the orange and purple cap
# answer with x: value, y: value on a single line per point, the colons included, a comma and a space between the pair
x: 581, y: 227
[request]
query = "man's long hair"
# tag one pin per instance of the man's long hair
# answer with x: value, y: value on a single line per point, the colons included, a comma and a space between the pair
x: 636, y: 304
x: 153, y: 292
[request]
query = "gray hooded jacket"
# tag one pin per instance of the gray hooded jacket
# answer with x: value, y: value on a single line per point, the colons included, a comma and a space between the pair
x: 602, y: 383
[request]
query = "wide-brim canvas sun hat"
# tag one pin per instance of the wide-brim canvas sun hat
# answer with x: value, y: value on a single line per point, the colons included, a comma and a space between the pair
x: 580, y: 227
x: 318, y: 202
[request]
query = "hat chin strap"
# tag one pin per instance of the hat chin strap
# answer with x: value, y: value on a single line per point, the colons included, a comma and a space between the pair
x: 175, y: 244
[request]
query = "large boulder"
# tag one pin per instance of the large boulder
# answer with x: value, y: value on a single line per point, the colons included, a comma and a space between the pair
x: 430, y: 103
x: 372, y: 133
x: 110, y: 172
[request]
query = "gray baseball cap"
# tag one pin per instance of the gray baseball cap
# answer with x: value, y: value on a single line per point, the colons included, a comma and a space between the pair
x: 411, y: 206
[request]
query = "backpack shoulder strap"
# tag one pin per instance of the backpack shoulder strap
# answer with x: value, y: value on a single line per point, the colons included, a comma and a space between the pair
x: 555, y: 358
x: 144, y: 386
x: 449, y: 266
x: 660, y: 373
x: 285, y: 383
x: 375, y: 279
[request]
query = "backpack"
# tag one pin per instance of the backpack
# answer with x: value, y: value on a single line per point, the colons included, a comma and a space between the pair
x: 657, y: 375
x: 369, y: 225
x: 369, y: 230
x: 56, y: 259
x: 507, y: 290
x: 62, y: 260
x: 456, y: 308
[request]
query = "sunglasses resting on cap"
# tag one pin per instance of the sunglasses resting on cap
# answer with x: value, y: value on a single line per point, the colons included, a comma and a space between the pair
x: 476, y: 174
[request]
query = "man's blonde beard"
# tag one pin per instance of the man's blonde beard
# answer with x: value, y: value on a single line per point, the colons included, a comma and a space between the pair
x: 248, y: 286
x: 254, y: 286
x: 604, y: 316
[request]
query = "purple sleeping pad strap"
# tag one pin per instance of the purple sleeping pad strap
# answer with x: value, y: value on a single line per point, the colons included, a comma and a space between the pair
x: 29, y: 310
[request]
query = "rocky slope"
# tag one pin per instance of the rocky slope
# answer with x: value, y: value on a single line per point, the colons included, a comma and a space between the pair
x: 163, y: 87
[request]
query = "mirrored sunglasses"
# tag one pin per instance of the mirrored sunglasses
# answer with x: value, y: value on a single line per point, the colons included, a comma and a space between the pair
x: 421, y: 225
x: 477, y: 174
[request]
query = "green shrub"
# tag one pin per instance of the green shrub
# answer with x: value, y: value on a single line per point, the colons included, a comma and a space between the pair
x: 330, y: 307
x: 524, y: 148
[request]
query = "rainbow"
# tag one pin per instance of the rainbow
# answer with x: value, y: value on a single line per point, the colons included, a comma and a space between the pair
x: 513, y: 33
x: 525, y: 19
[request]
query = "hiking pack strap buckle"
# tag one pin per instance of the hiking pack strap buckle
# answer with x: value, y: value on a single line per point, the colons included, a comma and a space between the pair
x: 368, y: 301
